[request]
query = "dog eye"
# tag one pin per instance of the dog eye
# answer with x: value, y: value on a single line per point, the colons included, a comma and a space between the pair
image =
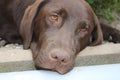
x: 82, y: 27
x: 54, y: 18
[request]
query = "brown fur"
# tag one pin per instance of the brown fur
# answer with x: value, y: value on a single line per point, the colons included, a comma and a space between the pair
x: 55, y: 30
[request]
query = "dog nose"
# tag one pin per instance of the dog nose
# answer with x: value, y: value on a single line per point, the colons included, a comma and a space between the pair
x: 60, y: 56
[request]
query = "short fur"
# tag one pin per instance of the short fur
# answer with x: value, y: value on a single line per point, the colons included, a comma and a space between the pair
x: 55, y: 30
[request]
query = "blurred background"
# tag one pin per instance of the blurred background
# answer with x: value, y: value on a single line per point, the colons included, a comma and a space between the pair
x: 107, y: 11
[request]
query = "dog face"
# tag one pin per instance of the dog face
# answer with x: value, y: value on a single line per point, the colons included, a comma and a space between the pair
x: 58, y: 31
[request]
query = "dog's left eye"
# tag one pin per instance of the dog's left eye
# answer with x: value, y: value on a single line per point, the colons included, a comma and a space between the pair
x: 82, y: 27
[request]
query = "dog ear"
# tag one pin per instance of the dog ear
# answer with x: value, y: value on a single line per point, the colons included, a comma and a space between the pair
x: 97, y: 35
x: 26, y: 30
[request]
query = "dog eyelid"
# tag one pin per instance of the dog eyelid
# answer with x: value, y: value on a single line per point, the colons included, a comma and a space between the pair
x: 82, y: 27
x: 54, y: 17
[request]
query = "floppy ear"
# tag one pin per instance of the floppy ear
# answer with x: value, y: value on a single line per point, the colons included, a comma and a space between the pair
x: 97, y: 35
x: 26, y: 30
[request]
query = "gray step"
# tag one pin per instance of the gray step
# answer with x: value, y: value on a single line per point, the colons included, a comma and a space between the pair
x: 14, y: 58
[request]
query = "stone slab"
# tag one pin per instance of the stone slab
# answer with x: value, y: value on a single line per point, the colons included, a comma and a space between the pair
x: 14, y: 58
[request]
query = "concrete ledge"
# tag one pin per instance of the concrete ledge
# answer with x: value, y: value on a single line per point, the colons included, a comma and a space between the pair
x: 98, y: 59
x: 17, y: 66
x: 107, y: 53
x: 14, y: 58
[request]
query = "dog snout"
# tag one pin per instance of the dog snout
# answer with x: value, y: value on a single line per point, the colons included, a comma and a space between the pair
x: 59, y: 56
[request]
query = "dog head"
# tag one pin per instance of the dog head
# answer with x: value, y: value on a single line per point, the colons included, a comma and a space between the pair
x: 57, y: 30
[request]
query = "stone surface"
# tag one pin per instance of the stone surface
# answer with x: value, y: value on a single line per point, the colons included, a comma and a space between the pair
x: 14, y: 58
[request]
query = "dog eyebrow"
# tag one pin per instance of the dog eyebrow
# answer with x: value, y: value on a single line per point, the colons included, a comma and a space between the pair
x: 62, y: 12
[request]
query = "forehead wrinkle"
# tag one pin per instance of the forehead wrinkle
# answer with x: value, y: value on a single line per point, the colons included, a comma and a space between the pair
x: 68, y: 4
x: 73, y: 8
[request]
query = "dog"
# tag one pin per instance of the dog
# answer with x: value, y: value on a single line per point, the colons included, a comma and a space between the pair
x: 55, y: 30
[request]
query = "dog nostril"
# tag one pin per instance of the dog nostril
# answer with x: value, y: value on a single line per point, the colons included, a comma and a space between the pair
x: 60, y: 56
x: 54, y: 57
x: 64, y: 60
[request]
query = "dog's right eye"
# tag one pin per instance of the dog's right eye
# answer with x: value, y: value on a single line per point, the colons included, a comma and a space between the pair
x: 54, y: 18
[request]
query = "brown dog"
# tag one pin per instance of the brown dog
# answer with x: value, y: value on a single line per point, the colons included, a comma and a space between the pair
x: 55, y: 30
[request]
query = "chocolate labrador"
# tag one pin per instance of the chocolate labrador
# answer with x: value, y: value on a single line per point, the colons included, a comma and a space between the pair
x: 55, y: 30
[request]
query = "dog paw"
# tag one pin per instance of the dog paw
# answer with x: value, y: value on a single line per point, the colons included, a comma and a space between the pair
x: 2, y: 42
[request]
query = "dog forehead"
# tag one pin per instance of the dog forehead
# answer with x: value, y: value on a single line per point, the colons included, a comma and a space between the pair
x: 72, y: 7
x: 66, y: 3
